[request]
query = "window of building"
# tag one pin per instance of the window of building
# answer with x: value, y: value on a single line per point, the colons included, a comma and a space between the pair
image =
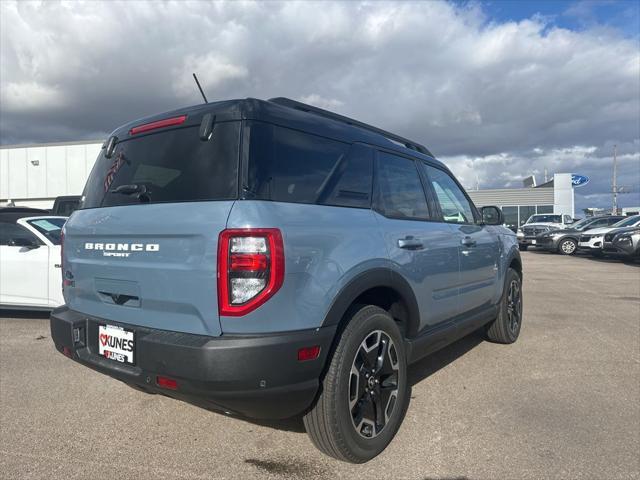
x: 525, y: 213
x: 545, y: 209
x: 510, y: 217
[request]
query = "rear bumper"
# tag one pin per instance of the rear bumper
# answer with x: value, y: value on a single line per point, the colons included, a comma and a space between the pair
x: 253, y: 376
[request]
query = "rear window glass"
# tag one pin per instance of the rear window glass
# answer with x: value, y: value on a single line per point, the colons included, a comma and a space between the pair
x: 399, y: 188
x: 49, y: 227
x: 170, y: 166
x: 287, y: 165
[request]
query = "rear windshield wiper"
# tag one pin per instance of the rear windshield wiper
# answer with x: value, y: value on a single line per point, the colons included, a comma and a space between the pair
x: 130, y: 189
x: 140, y: 191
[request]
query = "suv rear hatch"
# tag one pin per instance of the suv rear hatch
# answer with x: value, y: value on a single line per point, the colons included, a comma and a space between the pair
x: 142, y: 249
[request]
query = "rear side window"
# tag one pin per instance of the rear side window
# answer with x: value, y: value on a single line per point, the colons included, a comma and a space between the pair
x: 400, y: 191
x: 49, y: 227
x: 170, y: 166
x: 286, y: 165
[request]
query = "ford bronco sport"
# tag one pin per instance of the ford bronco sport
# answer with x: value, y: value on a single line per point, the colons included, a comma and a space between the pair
x: 271, y: 259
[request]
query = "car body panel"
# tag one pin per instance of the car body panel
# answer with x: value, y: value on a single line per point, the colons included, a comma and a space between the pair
x: 31, y: 277
x: 173, y: 287
x: 325, y: 248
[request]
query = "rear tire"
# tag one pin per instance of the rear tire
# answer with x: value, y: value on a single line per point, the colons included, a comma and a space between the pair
x: 349, y: 421
x: 506, y: 327
x: 567, y: 246
x: 523, y: 248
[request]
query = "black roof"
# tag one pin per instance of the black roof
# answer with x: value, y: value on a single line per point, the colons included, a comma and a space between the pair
x: 292, y: 114
x: 12, y: 217
x: 29, y: 210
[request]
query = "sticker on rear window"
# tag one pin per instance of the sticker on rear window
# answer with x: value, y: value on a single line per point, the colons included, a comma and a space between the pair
x: 46, y: 225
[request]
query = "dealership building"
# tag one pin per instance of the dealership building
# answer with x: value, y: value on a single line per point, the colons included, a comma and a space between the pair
x: 34, y: 175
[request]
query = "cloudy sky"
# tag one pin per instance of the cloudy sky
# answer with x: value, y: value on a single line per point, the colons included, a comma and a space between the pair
x: 498, y: 90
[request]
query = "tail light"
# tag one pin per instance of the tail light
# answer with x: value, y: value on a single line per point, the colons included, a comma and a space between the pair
x: 250, y: 268
x: 62, y: 255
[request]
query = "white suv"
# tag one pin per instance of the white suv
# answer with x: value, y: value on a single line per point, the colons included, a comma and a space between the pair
x: 591, y: 240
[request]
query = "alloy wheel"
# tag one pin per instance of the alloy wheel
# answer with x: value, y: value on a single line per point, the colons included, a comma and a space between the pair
x: 514, y: 306
x: 568, y: 247
x: 373, y: 384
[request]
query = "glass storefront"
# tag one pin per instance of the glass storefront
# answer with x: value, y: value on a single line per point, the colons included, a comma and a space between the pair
x: 515, y: 216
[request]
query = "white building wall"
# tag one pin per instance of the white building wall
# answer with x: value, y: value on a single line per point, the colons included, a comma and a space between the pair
x: 563, y: 199
x: 35, y: 175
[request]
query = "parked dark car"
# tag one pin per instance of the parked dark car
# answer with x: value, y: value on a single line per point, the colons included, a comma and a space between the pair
x: 624, y: 241
x: 66, y: 205
x: 565, y: 241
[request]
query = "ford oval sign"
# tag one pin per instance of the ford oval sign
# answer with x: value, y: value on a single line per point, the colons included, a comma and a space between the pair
x: 579, y: 180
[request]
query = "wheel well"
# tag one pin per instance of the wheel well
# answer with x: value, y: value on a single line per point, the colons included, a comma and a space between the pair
x: 516, y: 264
x: 390, y: 300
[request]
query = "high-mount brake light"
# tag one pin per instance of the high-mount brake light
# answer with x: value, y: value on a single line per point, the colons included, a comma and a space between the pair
x: 250, y: 268
x: 167, y: 122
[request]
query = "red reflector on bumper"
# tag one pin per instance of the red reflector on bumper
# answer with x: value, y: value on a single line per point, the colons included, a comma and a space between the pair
x: 66, y: 351
x: 168, y: 383
x: 308, y: 353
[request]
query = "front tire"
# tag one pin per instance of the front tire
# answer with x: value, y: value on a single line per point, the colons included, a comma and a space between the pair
x: 523, y: 248
x: 506, y: 327
x: 568, y: 246
x: 365, y: 393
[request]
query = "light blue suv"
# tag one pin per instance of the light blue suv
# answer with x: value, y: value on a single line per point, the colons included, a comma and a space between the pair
x: 272, y: 259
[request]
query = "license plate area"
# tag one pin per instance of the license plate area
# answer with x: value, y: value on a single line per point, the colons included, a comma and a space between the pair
x: 116, y: 343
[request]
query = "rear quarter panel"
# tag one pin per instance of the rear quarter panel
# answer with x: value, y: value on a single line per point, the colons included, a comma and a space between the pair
x: 325, y: 248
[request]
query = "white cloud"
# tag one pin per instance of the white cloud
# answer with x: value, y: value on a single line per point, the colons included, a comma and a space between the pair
x: 479, y: 94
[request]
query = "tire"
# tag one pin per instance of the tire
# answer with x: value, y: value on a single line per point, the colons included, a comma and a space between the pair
x: 568, y: 246
x: 330, y: 423
x: 523, y: 248
x: 506, y: 327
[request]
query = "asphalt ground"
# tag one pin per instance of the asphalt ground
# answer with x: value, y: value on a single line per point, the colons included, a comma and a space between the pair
x: 563, y: 402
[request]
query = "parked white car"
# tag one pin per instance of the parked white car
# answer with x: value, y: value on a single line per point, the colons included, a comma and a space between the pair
x: 30, y: 275
x: 592, y: 240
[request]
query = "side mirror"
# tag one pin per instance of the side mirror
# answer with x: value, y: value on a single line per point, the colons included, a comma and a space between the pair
x: 23, y: 242
x: 492, y: 216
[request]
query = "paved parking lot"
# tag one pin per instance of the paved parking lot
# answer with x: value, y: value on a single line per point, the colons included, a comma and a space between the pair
x: 563, y: 402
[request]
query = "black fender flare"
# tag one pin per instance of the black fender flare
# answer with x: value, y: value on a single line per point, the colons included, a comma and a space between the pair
x: 375, y: 278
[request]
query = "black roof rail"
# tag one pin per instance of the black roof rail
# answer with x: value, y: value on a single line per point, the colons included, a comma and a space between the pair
x: 287, y: 102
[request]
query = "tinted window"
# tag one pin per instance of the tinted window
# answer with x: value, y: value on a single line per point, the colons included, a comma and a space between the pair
x: 454, y: 204
x: 627, y: 222
x: 286, y: 165
x: 13, y: 231
x: 49, y: 227
x: 171, y: 166
x: 400, y: 191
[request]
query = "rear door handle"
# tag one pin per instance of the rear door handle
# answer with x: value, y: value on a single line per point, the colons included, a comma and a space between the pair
x: 468, y: 242
x: 410, y: 243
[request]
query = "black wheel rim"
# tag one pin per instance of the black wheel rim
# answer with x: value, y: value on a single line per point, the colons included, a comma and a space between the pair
x: 373, y: 384
x: 514, y: 306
